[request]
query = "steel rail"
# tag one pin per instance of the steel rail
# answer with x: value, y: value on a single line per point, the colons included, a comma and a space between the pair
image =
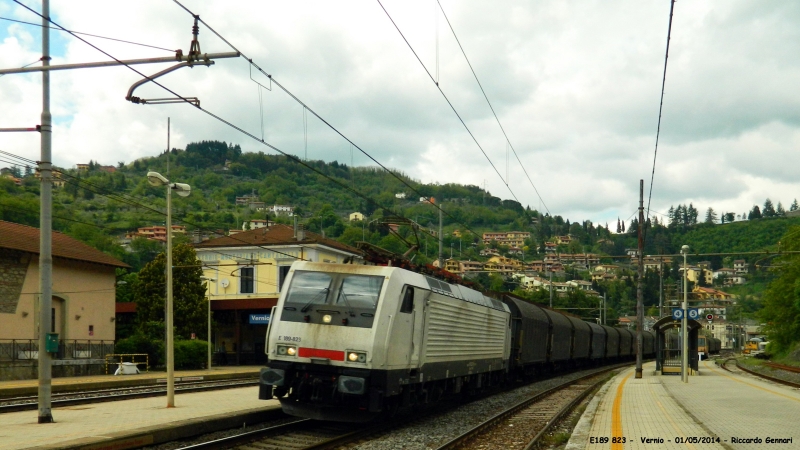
x: 490, y: 423
x: 757, y: 374
x: 282, y: 436
x: 146, y: 391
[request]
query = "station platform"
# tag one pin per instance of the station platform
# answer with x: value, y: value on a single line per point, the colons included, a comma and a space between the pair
x: 70, y: 384
x: 135, y: 423
x: 716, y: 409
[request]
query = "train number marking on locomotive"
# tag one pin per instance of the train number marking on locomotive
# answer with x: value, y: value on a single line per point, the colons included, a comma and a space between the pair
x: 289, y: 338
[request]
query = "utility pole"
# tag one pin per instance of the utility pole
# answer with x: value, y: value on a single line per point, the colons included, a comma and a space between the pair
x: 441, y: 240
x: 639, y: 293
x: 660, y: 287
x: 46, y: 230
x: 194, y: 57
x: 551, y: 287
x: 605, y: 316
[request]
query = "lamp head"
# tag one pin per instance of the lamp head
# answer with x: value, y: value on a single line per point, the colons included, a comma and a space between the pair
x: 156, y: 179
x: 685, y: 249
x: 182, y: 189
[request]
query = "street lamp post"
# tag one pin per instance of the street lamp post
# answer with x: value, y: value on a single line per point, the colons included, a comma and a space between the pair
x: 156, y: 179
x: 684, y: 323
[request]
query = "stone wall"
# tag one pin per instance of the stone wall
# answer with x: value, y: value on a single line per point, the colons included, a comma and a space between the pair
x: 29, y: 370
x: 13, y: 268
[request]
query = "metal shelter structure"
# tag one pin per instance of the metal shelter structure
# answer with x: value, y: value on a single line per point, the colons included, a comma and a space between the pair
x: 668, y: 352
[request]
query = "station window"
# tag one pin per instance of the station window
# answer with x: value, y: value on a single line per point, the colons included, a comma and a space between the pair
x: 246, y: 280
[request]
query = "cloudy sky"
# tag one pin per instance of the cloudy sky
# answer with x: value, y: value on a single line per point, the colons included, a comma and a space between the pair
x: 576, y: 86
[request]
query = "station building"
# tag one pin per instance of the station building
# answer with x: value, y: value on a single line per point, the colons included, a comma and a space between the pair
x: 245, y: 274
x: 84, y: 288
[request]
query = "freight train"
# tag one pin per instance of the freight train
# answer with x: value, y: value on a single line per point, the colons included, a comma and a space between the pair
x: 349, y: 342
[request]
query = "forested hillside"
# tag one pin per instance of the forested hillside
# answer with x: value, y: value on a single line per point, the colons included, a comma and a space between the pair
x: 99, y: 207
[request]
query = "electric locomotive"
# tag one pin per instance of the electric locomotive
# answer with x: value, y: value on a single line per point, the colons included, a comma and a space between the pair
x: 347, y: 342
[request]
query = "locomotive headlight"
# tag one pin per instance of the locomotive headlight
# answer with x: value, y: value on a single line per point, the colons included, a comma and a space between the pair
x: 286, y: 350
x: 326, y: 318
x: 359, y: 357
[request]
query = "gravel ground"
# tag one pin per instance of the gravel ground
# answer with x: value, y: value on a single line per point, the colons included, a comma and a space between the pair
x: 777, y: 373
x: 436, y: 431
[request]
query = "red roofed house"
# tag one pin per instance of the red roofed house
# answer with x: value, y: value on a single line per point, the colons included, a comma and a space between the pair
x: 245, y: 275
x: 84, y: 287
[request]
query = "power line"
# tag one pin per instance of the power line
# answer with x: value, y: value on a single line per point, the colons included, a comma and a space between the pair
x: 133, y: 202
x: 660, y: 108
x: 463, y: 52
x: 86, y: 34
x: 455, y: 111
x: 306, y: 108
x: 224, y: 121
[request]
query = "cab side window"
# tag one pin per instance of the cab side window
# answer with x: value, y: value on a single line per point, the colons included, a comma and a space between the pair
x: 407, y: 305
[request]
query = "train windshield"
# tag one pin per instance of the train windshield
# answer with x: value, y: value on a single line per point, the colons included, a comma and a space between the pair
x: 345, y: 294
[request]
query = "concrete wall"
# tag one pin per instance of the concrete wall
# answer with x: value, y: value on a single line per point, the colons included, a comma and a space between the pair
x: 29, y: 370
x: 83, y: 297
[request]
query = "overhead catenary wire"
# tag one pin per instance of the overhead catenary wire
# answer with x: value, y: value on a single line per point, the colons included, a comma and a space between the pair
x: 660, y: 109
x: 88, y: 34
x: 133, y: 202
x: 237, y: 128
x: 494, y: 113
x: 328, y: 124
x: 306, y: 109
x: 447, y: 99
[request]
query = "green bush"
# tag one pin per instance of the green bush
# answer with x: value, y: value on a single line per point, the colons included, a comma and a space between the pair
x: 191, y: 354
x: 139, y: 343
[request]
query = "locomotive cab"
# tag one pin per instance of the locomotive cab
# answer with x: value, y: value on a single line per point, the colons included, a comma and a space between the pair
x: 321, y: 347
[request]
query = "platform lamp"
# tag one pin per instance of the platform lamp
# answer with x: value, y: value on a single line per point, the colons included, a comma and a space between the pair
x: 182, y: 189
x: 684, y: 322
x: 208, y: 299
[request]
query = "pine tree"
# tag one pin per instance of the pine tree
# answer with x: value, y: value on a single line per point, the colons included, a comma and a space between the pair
x: 755, y: 213
x: 793, y: 206
x: 691, y: 215
x: 780, y: 211
x: 623, y: 226
x: 619, y: 227
x: 769, y: 209
x: 711, y: 216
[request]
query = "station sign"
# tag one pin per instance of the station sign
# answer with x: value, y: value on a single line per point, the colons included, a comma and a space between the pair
x: 693, y: 313
x: 259, y: 319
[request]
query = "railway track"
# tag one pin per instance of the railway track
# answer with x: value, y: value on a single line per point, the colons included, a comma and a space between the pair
x: 310, y: 434
x: 523, y: 425
x: 27, y: 403
x: 761, y: 375
x: 305, y: 434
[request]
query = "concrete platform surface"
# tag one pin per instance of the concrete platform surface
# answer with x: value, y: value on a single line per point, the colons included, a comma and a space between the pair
x: 66, y: 384
x: 714, y: 410
x: 132, y: 423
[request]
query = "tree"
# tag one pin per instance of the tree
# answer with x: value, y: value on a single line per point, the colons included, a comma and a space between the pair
x: 755, y: 213
x: 781, y: 308
x: 793, y: 206
x: 189, y: 307
x: 780, y: 211
x: 711, y: 216
x: 769, y: 209
x: 691, y: 215
x: 619, y: 227
x: 728, y: 217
